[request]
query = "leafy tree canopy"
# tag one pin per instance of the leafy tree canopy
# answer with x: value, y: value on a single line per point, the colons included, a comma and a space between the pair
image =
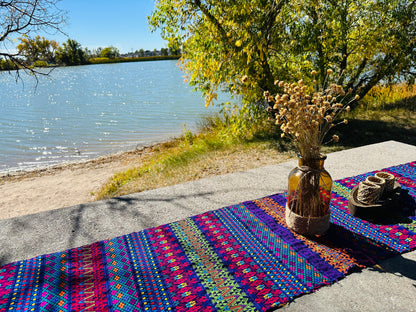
x: 364, y: 42
x: 164, y: 51
x: 71, y: 53
x: 110, y: 52
x: 140, y: 52
x: 37, y: 49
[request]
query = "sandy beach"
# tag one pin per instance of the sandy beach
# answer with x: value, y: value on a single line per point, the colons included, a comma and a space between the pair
x: 61, y: 186
x: 29, y: 192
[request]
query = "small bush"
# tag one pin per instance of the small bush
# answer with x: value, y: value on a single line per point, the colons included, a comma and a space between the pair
x: 40, y: 64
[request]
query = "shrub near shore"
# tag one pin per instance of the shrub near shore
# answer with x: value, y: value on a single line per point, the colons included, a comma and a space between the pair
x: 386, y: 113
x: 105, y: 60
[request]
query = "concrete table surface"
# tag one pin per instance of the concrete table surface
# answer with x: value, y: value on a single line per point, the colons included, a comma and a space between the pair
x: 388, y: 287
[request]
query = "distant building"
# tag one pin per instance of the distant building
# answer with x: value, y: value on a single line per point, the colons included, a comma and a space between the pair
x: 142, y: 54
x: 131, y: 55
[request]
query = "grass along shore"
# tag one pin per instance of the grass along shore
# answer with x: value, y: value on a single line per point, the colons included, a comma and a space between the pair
x: 386, y: 113
x: 192, y: 157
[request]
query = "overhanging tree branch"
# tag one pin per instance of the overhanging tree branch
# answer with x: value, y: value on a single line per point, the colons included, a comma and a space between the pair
x: 24, y: 17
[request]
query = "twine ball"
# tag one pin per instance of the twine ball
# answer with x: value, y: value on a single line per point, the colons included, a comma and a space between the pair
x: 379, y: 181
x: 368, y: 192
x: 389, y: 178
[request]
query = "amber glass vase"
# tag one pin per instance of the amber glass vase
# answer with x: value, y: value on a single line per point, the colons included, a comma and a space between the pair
x: 309, y: 196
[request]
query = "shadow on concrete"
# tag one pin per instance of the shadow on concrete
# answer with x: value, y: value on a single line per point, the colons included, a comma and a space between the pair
x: 367, y: 253
x: 123, y: 215
x: 61, y: 229
x: 399, y: 266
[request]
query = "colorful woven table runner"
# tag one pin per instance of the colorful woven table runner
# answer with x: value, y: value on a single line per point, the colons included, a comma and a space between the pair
x: 237, y: 258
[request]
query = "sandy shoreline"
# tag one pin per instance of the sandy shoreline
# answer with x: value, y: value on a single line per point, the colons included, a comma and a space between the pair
x: 27, y: 192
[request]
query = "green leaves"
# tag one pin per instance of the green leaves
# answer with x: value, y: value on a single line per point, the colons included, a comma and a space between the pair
x: 362, y: 41
x: 71, y: 53
x: 110, y: 52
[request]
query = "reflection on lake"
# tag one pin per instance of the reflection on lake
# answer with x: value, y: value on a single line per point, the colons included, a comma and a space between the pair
x: 85, y: 111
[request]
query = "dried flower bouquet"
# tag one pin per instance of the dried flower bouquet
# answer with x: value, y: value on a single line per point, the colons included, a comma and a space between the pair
x: 306, y: 117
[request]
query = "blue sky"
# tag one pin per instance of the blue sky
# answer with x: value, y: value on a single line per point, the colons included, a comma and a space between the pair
x: 122, y: 24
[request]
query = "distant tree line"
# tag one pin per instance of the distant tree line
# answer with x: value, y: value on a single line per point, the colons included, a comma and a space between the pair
x: 41, y: 52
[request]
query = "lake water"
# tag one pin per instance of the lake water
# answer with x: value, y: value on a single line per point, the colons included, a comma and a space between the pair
x: 83, y: 112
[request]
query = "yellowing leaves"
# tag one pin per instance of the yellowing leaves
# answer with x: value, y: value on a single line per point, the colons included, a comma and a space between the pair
x: 225, y: 40
x: 209, y: 98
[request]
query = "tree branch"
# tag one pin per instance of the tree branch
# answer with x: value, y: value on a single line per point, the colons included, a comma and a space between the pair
x: 31, y: 15
x: 357, y: 74
x: 269, y: 23
x: 410, y: 72
x: 212, y: 19
x: 21, y: 17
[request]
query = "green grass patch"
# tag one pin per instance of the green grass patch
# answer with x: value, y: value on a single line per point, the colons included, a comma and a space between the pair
x: 187, y: 158
x: 173, y: 155
x: 386, y: 113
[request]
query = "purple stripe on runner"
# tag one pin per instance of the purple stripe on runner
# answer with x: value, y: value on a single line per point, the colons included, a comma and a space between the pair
x: 279, y: 198
x: 313, y: 258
